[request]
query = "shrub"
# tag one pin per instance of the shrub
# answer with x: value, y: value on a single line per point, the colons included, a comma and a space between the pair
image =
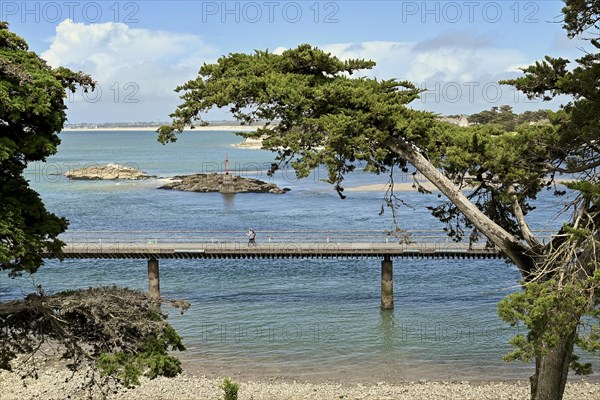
x: 230, y: 389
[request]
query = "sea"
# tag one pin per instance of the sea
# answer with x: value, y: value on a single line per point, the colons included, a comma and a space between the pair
x: 304, y: 319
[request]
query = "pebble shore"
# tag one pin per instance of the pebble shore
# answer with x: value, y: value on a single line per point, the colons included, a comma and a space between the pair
x: 54, y: 384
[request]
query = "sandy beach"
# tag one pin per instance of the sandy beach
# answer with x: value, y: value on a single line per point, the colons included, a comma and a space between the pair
x: 55, y: 385
x: 248, y: 143
x: 408, y: 187
x: 201, y: 382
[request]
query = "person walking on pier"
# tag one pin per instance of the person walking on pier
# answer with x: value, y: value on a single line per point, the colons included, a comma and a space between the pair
x: 251, y: 237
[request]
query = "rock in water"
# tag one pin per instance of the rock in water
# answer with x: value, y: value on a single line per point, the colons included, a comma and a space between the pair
x: 107, y: 172
x: 222, y: 183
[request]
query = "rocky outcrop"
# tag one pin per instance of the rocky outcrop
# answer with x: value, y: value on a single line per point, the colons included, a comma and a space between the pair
x: 222, y: 183
x: 107, y: 172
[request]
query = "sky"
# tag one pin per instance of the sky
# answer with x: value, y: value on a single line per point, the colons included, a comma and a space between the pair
x: 140, y: 51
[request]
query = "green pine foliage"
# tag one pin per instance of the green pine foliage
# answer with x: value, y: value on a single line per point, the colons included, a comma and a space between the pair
x: 230, y: 389
x: 318, y: 113
x: 32, y: 112
x: 547, y: 310
x: 151, y: 359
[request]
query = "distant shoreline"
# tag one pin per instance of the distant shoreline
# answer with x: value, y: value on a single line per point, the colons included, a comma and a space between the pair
x: 238, y: 128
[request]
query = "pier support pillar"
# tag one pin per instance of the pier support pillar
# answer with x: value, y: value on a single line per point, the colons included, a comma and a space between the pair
x: 153, y: 280
x: 387, y: 284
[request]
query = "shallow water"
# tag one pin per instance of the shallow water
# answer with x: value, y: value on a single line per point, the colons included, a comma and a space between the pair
x: 310, y: 319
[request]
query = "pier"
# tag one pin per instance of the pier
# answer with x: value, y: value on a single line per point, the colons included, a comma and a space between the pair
x: 381, y: 245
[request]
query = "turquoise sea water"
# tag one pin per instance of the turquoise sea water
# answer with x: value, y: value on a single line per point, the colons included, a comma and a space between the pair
x: 302, y: 319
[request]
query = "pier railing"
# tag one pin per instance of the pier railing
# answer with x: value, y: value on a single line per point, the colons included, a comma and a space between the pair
x: 266, y: 236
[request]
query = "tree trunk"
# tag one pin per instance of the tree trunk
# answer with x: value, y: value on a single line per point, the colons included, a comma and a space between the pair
x: 506, y: 242
x: 551, y: 371
x: 548, y: 382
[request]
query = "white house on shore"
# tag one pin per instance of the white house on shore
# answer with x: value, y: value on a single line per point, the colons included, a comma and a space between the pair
x: 460, y: 120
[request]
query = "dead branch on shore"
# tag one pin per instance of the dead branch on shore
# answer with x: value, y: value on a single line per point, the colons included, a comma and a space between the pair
x: 108, y: 329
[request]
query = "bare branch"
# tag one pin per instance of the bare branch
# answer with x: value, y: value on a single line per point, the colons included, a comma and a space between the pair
x: 579, y: 168
x: 524, y: 227
x: 514, y: 249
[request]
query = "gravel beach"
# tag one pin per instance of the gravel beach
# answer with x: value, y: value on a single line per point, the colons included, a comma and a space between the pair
x: 54, y: 384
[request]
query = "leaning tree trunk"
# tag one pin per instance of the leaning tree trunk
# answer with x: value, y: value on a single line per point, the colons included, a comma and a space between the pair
x: 503, y: 240
x: 551, y: 371
x: 548, y: 382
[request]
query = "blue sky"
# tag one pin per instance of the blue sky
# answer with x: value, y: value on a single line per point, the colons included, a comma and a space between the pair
x: 139, y: 51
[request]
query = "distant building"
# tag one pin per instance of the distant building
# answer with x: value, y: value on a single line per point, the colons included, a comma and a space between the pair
x: 544, y: 121
x: 460, y: 120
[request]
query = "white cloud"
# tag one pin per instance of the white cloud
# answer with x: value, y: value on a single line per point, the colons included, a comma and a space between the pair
x: 460, y: 39
x: 136, y: 69
x: 391, y: 57
x: 411, y: 61
x: 460, y: 78
x: 145, y: 66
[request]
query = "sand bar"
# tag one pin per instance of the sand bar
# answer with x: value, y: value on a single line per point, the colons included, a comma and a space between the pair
x: 409, y: 187
x: 384, y: 187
